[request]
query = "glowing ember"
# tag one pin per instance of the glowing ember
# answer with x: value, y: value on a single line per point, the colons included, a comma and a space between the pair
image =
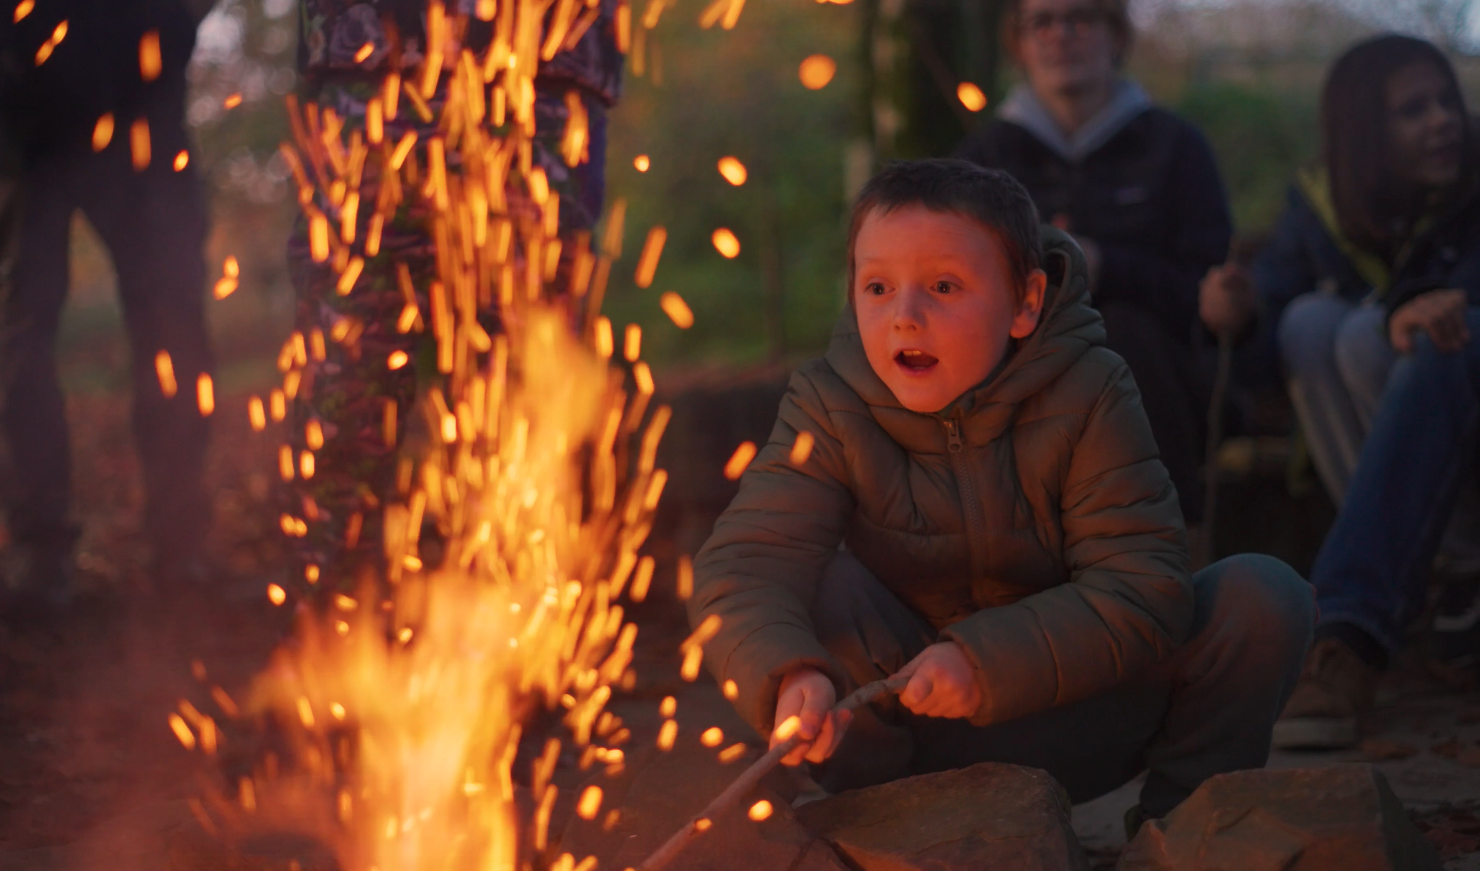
x: 677, y: 310
x: 788, y: 728
x: 149, y: 62
x: 733, y: 171
x: 731, y: 690
x: 22, y: 9
x: 971, y: 96
x: 364, y: 53
x: 760, y: 810
x: 165, y: 369
x: 641, y: 163
x: 801, y: 449
x: 632, y: 343
x: 256, y: 414
x: 276, y: 595
x: 103, y: 132
x: 726, y: 243
x: 396, y: 360
x: 816, y: 71
x: 667, y: 734
x: 647, y: 264
x: 205, y: 395
x: 232, y: 101
x: 668, y: 707
x: 57, y: 35
x: 138, y: 142
x: 590, y: 803
x: 740, y: 460
x: 731, y: 753
x: 712, y: 737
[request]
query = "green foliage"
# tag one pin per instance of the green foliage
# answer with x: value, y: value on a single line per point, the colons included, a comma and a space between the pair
x: 708, y: 94
x: 1260, y: 135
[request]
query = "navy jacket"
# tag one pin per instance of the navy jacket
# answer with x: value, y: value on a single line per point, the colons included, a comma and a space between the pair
x: 1306, y: 252
x: 1151, y: 197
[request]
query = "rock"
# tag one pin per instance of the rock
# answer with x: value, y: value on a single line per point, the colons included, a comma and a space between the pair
x: 985, y: 816
x: 1303, y: 819
x: 658, y: 793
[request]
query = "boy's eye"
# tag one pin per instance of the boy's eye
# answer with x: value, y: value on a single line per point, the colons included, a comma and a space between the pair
x: 874, y: 288
x: 944, y: 287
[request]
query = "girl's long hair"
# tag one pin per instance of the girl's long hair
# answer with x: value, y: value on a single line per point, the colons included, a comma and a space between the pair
x: 1354, y: 138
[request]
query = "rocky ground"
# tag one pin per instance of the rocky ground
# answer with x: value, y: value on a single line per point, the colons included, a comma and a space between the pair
x: 90, y: 776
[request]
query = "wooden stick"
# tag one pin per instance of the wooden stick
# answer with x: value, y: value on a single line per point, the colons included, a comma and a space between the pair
x: 758, y: 769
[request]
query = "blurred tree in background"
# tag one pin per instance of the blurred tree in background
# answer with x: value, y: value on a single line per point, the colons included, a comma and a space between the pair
x: 1247, y: 71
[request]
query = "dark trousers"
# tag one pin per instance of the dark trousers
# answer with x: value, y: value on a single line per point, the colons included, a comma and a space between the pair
x: 1176, y: 402
x: 154, y: 225
x: 1208, y: 709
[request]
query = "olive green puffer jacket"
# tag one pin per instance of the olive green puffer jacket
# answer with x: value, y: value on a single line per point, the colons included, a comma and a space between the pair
x: 1031, y: 520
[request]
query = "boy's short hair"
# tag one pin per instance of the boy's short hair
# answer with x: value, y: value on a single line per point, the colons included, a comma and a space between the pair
x: 990, y: 197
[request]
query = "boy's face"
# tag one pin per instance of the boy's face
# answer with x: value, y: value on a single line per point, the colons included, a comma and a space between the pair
x: 935, y: 303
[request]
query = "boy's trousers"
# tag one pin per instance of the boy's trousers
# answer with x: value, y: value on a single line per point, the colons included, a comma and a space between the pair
x: 1207, y: 709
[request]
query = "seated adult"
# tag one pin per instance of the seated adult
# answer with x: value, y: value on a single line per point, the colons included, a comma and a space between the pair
x: 1405, y: 207
x: 1138, y: 188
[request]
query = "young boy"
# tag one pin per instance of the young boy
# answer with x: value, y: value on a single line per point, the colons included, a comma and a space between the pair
x: 1012, y: 541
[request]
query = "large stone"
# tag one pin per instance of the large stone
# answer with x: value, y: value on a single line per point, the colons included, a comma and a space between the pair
x: 1303, y: 819
x: 658, y: 793
x: 985, y: 816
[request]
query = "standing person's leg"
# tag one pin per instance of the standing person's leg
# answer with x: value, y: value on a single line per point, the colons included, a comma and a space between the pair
x: 154, y: 224
x: 1165, y: 374
x: 1328, y: 417
x: 33, y: 416
x: 1375, y: 559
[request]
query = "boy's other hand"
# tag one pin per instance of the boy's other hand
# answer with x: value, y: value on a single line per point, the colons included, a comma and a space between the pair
x: 1226, y: 300
x: 1440, y: 313
x: 808, y: 695
x: 942, y: 683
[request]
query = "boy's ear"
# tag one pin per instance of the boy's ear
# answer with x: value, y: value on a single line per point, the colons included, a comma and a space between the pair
x: 1031, y: 309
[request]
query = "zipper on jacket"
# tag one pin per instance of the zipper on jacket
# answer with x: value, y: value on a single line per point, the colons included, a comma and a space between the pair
x: 971, y: 506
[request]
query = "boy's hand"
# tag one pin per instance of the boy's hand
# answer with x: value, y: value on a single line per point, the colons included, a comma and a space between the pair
x: 808, y: 695
x: 942, y: 683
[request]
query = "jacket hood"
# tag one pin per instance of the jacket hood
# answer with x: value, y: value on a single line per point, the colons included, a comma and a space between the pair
x: 1023, y: 108
x: 1067, y: 329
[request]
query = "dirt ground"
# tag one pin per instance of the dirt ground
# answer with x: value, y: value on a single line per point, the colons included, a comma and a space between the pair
x: 91, y: 777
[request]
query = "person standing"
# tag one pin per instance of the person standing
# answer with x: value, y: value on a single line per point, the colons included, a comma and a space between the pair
x: 1139, y: 190
x: 151, y: 215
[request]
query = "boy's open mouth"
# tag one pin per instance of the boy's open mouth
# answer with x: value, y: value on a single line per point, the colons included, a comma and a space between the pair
x: 915, y: 361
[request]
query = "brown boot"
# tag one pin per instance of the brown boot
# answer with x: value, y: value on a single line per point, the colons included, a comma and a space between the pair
x: 1335, y: 688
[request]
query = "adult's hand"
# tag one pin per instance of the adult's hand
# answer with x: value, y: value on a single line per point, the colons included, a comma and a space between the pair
x: 1226, y: 300
x: 942, y: 683
x: 1440, y: 313
x: 808, y: 695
